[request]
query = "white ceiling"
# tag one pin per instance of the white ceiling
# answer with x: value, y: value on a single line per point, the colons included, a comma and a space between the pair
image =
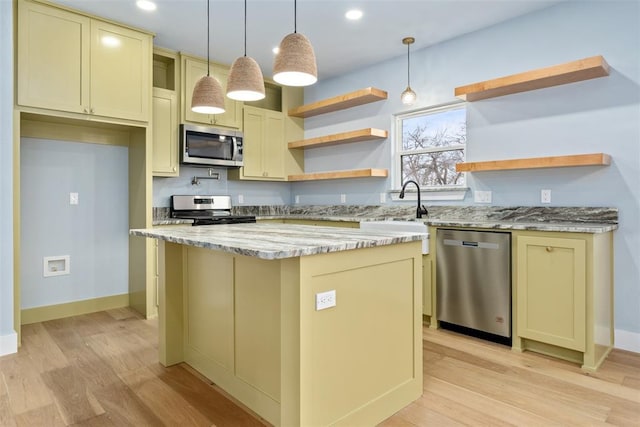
x: 340, y: 45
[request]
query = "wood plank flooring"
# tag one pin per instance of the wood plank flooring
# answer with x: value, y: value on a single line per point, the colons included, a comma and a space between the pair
x: 102, y: 369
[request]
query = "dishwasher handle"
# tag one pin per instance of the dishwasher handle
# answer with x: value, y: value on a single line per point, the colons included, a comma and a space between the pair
x: 471, y: 244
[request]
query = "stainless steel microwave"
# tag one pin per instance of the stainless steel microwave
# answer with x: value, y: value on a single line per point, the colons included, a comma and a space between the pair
x: 203, y: 145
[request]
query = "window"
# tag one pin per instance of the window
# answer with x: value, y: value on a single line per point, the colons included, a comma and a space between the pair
x: 429, y: 143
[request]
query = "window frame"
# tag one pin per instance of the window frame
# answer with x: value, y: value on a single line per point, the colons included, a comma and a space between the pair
x: 447, y: 192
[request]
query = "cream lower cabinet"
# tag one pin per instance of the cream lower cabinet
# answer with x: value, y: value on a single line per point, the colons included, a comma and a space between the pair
x: 427, y: 297
x: 563, y: 295
x: 264, y: 145
x: 165, y: 133
x: 73, y: 63
x: 192, y: 70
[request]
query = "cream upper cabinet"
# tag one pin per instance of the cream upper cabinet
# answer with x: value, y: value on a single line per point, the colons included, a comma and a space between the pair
x: 165, y: 133
x: 53, y: 58
x: 72, y: 63
x: 192, y: 70
x: 264, y: 145
x: 120, y: 72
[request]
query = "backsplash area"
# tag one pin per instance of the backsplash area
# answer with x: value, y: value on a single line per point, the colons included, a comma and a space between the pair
x: 242, y: 192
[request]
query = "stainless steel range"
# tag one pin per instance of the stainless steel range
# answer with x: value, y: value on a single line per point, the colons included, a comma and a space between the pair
x: 206, y: 210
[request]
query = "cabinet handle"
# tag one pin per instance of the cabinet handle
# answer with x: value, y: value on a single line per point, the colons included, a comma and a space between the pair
x: 174, y: 168
x: 91, y: 110
x: 85, y: 110
x: 549, y: 249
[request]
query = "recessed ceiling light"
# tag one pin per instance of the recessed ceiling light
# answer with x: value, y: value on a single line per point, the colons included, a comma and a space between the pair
x: 146, y: 5
x: 276, y: 50
x: 353, y: 14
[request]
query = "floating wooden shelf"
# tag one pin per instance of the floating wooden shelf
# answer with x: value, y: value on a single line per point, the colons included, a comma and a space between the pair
x: 570, y: 72
x: 341, y: 138
x: 355, y: 173
x: 596, y: 159
x: 340, y: 102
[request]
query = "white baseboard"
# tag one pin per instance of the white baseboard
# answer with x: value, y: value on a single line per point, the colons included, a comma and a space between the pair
x: 626, y: 340
x: 8, y: 344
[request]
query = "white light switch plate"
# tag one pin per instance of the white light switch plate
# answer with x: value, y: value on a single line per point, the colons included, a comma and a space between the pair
x: 73, y: 198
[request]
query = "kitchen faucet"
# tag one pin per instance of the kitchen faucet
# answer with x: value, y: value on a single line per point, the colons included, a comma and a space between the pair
x: 421, y: 209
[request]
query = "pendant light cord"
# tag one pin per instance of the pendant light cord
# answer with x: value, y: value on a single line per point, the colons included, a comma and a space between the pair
x: 295, y: 16
x: 208, y: 37
x: 245, y: 27
x: 408, y: 65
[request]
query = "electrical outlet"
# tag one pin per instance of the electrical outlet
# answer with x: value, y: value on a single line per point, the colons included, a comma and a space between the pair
x: 240, y: 199
x: 482, y: 196
x: 325, y: 300
x: 383, y: 197
x: 297, y: 199
x: 545, y: 196
x: 343, y: 198
x: 73, y: 198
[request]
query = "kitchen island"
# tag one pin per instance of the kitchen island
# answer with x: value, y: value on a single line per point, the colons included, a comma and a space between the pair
x: 243, y: 305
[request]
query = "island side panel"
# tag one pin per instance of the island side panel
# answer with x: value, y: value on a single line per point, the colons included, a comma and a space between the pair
x: 291, y: 339
x: 361, y: 361
x: 170, y: 310
x: 209, y: 308
x: 232, y: 325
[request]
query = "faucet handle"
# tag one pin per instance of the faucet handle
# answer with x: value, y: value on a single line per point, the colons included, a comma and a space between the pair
x: 423, y: 210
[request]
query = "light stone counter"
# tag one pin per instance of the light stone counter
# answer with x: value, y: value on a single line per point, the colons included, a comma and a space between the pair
x: 531, y: 226
x: 535, y: 218
x: 276, y: 241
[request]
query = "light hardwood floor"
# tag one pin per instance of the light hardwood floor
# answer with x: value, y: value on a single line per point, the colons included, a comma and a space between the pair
x: 102, y: 369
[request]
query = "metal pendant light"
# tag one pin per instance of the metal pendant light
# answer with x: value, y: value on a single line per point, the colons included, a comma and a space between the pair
x: 408, y: 96
x: 207, y: 95
x: 295, y: 63
x: 245, y: 81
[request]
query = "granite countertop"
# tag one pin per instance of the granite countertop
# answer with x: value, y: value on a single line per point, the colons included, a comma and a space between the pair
x: 534, y: 218
x: 277, y: 241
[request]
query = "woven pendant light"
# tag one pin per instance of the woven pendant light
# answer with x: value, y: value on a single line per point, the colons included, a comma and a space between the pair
x: 295, y: 63
x: 245, y: 81
x: 408, y: 97
x: 207, y: 95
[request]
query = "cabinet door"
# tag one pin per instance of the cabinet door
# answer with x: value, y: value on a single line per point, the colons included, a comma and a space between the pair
x: 53, y: 58
x: 232, y: 117
x: 263, y: 144
x: 165, y: 133
x: 551, y: 290
x: 194, y: 70
x: 120, y: 72
x: 273, y: 145
x: 254, y: 125
x: 426, y: 286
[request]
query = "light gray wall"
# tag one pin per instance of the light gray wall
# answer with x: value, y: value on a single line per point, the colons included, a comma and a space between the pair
x: 601, y: 115
x: 253, y: 193
x: 94, y: 233
x: 6, y: 168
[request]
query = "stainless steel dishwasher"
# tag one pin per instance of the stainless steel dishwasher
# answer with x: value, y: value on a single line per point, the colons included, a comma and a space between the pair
x: 473, y: 283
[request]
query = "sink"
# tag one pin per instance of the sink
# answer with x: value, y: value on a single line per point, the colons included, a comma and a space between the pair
x: 414, y: 226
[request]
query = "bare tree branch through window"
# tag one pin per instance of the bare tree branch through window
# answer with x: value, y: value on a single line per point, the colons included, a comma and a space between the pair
x: 432, y: 143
